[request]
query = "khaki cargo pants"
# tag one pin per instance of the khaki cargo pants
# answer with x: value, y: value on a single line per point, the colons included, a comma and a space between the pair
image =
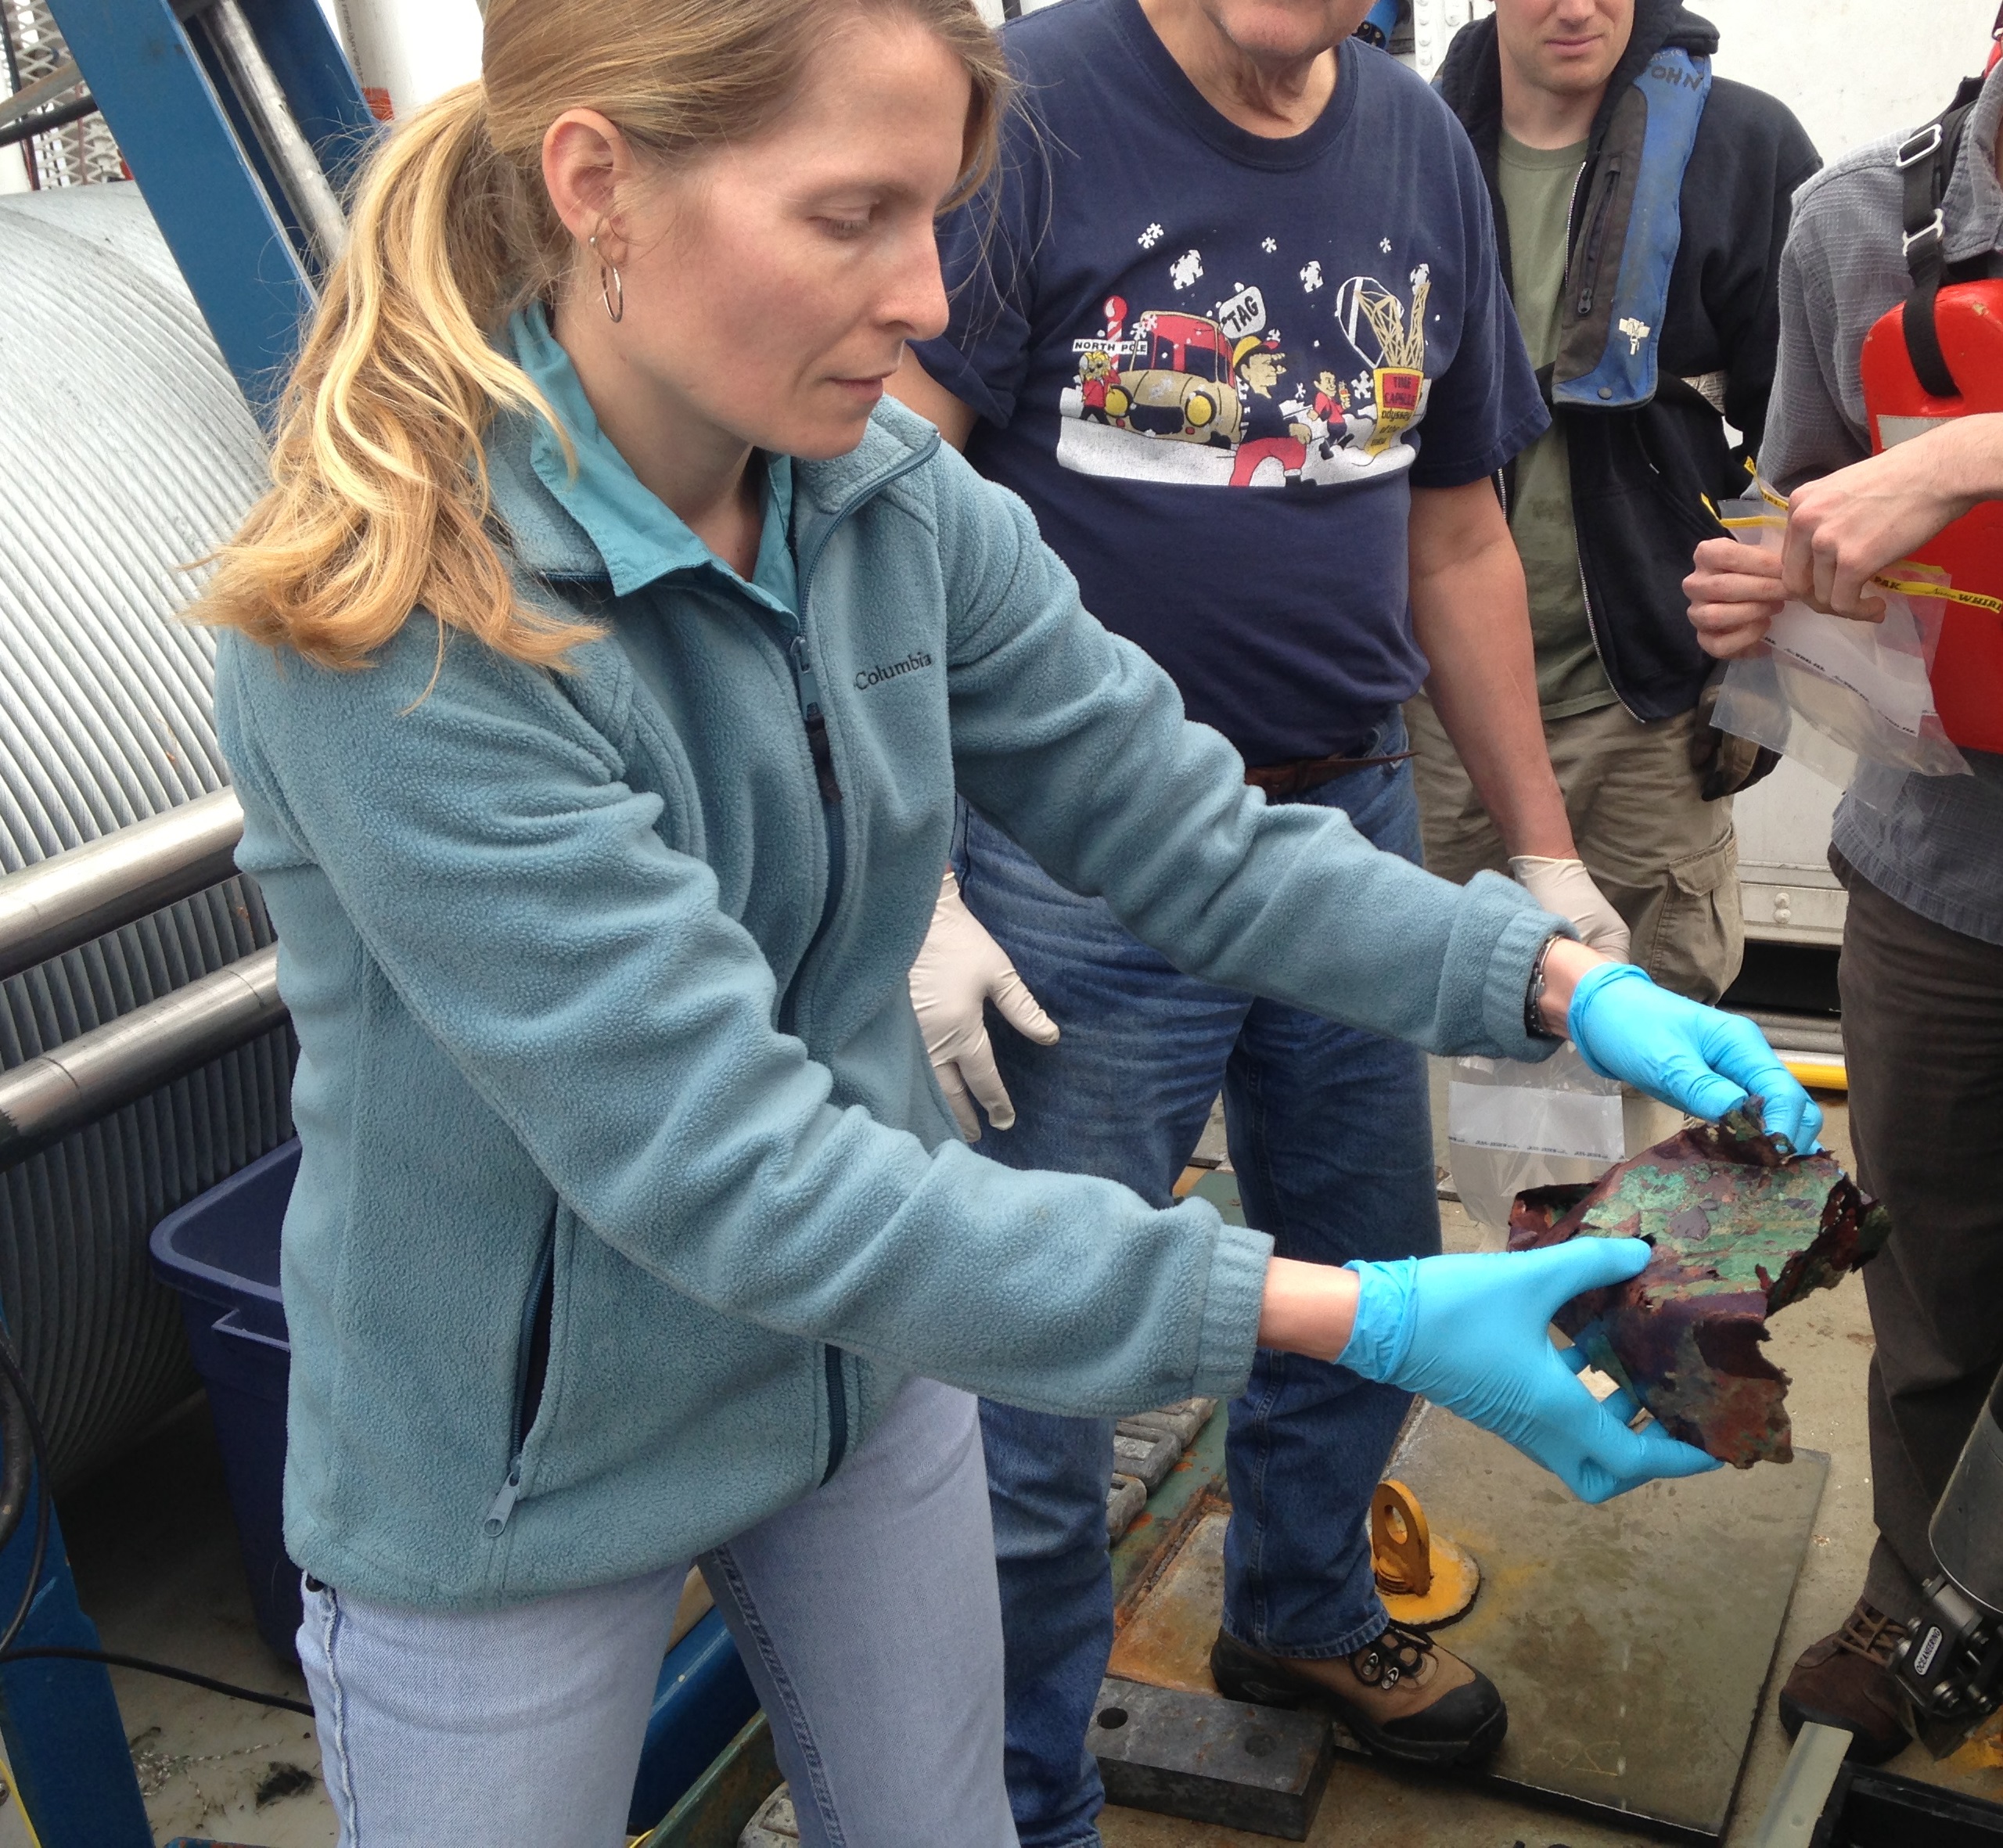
x: 1667, y: 859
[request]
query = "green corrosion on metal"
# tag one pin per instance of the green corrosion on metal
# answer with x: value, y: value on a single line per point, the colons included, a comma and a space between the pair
x: 1742, y: 1228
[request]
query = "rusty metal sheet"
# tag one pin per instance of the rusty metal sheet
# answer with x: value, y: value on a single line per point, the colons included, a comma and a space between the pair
x: 1741, y: 1229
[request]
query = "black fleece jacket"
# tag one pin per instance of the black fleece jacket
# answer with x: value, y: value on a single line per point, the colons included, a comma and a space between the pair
x: 1639, y: 475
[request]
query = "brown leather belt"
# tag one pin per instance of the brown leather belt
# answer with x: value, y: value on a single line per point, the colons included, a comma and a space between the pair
x: 1289, y: 782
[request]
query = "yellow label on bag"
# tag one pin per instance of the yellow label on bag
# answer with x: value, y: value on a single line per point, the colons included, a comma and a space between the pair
x: 1912, y: 587
x: 1904, y: 587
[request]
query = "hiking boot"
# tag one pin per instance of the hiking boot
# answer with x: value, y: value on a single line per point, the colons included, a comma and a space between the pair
x: 1402, y: 1694
x: 1846, y: 1680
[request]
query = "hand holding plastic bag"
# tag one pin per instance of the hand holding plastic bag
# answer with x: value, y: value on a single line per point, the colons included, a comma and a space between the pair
x: 1698, y: 1059
x: 1821, y: 687
x: 1473, y: 1334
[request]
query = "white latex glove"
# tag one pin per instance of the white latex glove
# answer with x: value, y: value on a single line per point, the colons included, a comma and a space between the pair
x: 959, y: 968
x: 1565, y: 887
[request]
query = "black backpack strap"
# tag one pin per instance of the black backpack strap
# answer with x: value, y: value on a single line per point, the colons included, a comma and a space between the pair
x: 1926, y: 164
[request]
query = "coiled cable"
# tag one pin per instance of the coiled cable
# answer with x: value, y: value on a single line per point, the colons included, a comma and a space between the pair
x: 126, y: 452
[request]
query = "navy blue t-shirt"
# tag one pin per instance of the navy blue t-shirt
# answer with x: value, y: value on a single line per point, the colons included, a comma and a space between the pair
x: 1214, y: 365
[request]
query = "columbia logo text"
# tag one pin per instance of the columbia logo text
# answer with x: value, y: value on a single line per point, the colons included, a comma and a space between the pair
x: 870, y: 677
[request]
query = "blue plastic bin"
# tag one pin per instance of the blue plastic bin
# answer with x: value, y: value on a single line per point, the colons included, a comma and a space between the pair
x: 221, y: 1253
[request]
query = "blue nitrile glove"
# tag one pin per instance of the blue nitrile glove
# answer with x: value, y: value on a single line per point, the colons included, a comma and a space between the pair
x: 1473, y: 1333
x: 1692, y: 1056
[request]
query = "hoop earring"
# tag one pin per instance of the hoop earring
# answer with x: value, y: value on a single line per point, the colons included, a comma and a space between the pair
x: 609, y: 284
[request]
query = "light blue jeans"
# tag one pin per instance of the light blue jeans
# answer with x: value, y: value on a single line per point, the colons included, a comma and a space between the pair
x: 866, y: 1614
x: 1331, y: 1138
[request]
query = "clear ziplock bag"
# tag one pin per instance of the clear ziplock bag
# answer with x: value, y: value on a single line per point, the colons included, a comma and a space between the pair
x: 1511, y: 1126
x: 1828, y: 691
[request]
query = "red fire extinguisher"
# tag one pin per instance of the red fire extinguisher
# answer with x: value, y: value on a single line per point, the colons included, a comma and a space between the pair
x: 1968, y: 669
x: 1939, y: 355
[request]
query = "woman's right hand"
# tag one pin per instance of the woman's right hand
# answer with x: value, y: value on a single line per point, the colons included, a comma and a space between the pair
x: 1735, y: 592
x: 1473, y: 1334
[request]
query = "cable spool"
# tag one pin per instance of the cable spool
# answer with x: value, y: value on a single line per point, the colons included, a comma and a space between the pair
x: 126, y: 452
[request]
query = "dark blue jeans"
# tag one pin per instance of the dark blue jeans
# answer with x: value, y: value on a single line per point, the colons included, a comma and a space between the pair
x: 1331, y: 1144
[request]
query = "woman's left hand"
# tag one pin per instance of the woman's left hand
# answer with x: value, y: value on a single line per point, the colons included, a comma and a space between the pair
x: 1698, y: 1059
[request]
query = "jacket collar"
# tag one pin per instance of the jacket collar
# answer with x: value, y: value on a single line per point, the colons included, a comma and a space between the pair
x: 548, y: 542
x: 1470, y: 79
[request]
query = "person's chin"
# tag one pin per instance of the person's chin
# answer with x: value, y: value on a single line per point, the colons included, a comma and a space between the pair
x: 1577, y: 73
x: 829, y: 436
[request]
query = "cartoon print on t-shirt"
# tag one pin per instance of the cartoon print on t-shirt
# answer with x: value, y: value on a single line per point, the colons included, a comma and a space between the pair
x: 1273, y: 430
x: 1225, y: 400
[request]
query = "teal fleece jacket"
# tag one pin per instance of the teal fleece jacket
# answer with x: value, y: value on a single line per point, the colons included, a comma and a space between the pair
x: 627, y: 1197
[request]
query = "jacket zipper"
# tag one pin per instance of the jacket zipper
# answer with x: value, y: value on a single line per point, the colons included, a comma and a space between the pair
x: 1594, y: 232
x: 807, y: 691
x: 1585, y: 307
x: 1592, y: 630
x: 502, y: 1509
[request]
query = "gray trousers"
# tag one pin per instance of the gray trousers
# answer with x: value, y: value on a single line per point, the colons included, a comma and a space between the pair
x: 1923, y: 1010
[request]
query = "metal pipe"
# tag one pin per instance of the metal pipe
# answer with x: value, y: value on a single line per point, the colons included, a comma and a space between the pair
x: 43, y: 91
x: 61, y: 116
x: 101, y: 1071
x: 298, y: 167
x: 70, y: 898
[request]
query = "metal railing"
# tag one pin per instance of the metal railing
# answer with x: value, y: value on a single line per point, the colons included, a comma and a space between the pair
x: 70, y: 898
x: 67, y: 900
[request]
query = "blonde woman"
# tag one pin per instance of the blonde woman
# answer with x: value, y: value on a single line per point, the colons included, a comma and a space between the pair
x: 599, y: 672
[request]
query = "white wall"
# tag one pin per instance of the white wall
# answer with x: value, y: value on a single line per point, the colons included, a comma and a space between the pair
x: 413, y: 50
x: 1853, y: 70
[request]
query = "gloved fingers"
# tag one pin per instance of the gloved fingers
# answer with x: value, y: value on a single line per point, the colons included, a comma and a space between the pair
x: 1563, y: 1271
x: 1017, y: 1006
x: 1656, y: 1455
x: 1739, y: 1050
x: 1567, y: 888
x: 1608, y: 934
x: 977, y: 1070
x: 1798, y: 1119
x: 1692, y: 1086
x: 1614, y: 1459
x: 1622, y: 1405
x: 958, y: 1101
x: 1620, y: 1402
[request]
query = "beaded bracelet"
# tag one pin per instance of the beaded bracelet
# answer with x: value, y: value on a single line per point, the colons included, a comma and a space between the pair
x: 1533, y: 999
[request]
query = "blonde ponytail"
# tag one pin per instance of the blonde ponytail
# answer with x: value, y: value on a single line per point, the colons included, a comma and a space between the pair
x: 380, y: 503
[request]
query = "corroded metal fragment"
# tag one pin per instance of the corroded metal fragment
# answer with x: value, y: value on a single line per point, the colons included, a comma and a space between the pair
x: 1741, y: 1229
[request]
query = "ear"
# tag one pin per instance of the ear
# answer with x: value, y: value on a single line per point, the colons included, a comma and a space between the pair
x: 586, y: 161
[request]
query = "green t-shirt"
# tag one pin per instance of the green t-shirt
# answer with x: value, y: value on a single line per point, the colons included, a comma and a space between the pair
x: 1536, y: 195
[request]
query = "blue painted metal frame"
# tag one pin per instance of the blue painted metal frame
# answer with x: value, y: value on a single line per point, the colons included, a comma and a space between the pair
x: 701, y: 1701
x: 65, y: 1739
x: 205, y: 181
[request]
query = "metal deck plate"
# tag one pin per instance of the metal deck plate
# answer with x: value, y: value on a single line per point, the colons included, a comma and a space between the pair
x: 1631, y: 1641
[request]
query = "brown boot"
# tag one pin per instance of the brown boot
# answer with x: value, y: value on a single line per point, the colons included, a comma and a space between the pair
x: 1402, y: 1695
x: 1846, y: 1680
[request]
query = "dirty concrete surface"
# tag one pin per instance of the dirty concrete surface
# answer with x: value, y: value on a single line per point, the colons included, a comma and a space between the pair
x: 157, y: 1568
x: 156, y: 1565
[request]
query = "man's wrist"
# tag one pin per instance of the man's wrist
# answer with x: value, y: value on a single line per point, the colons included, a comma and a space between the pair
x: 1973, y: 453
